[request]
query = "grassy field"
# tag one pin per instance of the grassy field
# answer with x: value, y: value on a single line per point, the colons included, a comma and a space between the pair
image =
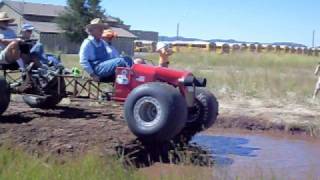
x: 283, y: 77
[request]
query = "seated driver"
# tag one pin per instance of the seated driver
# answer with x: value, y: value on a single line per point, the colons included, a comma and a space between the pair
x: 9, y: 43
x: 96, y: 55
x: 11, y: 52
x: 37, y: 50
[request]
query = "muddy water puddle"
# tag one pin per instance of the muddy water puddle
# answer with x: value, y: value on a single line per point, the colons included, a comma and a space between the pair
x: 258, y: 154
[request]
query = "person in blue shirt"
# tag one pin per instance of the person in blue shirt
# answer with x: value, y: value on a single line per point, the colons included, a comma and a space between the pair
x: 37, y: 50
x: 95, y: 58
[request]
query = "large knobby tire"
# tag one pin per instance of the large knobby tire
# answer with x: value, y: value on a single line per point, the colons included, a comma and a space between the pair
x: 155, y: 112
x: 201, y: 116
x: 205, y: 112
x: 4, y: 95
x: 51, y: 99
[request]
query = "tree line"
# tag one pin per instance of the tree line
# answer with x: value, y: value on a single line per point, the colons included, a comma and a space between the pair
x: 77, y: 15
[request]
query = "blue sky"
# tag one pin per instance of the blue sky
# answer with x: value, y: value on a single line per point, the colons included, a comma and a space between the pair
x: 247, y: 20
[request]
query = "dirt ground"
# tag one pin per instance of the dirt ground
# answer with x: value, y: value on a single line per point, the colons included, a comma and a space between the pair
x: 269, y: 114
x: 72, y: 128
x: 80, y: 126
x: 77, y: 127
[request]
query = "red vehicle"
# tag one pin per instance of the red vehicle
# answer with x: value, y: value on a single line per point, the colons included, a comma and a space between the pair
x: 159, y: 103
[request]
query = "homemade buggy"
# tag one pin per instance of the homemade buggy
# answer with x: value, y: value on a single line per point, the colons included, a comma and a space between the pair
x: 160, y: 104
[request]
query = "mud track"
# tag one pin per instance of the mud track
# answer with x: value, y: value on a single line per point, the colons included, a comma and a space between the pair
x: 75, y: 128
x: 72, y: 128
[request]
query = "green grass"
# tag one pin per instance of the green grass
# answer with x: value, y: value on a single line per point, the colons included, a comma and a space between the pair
x: 70, y: 60
x: 17, y: 165
x: 285, y: 77
x: 278, y: 76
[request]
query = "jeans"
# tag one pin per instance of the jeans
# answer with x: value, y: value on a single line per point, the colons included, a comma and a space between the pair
x: 108, y: 68
x: 38, y: 51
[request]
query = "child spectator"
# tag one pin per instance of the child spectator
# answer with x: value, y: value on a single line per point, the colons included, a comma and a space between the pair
x: 164, y: 51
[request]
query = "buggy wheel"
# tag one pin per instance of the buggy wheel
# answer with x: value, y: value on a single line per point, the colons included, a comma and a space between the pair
x: 201, y: 116
x: 205, y: 111
x: 49, y: 100
x: 4, y: 95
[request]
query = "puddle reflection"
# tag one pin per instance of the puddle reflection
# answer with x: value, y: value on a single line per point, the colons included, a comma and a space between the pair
x: 223, y: 148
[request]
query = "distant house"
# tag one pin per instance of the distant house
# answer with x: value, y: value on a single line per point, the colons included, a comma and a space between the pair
x: 42, y: 17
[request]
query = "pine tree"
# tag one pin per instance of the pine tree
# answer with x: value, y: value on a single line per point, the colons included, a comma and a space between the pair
x: 78, y: 14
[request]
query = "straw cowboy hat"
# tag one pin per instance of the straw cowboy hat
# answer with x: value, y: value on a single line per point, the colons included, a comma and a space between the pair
x: 4, y: 17
x: 97, y: 22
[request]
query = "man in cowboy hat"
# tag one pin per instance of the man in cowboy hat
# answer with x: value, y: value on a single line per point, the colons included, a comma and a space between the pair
x: 95, y: 58
x: 9, y: 44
